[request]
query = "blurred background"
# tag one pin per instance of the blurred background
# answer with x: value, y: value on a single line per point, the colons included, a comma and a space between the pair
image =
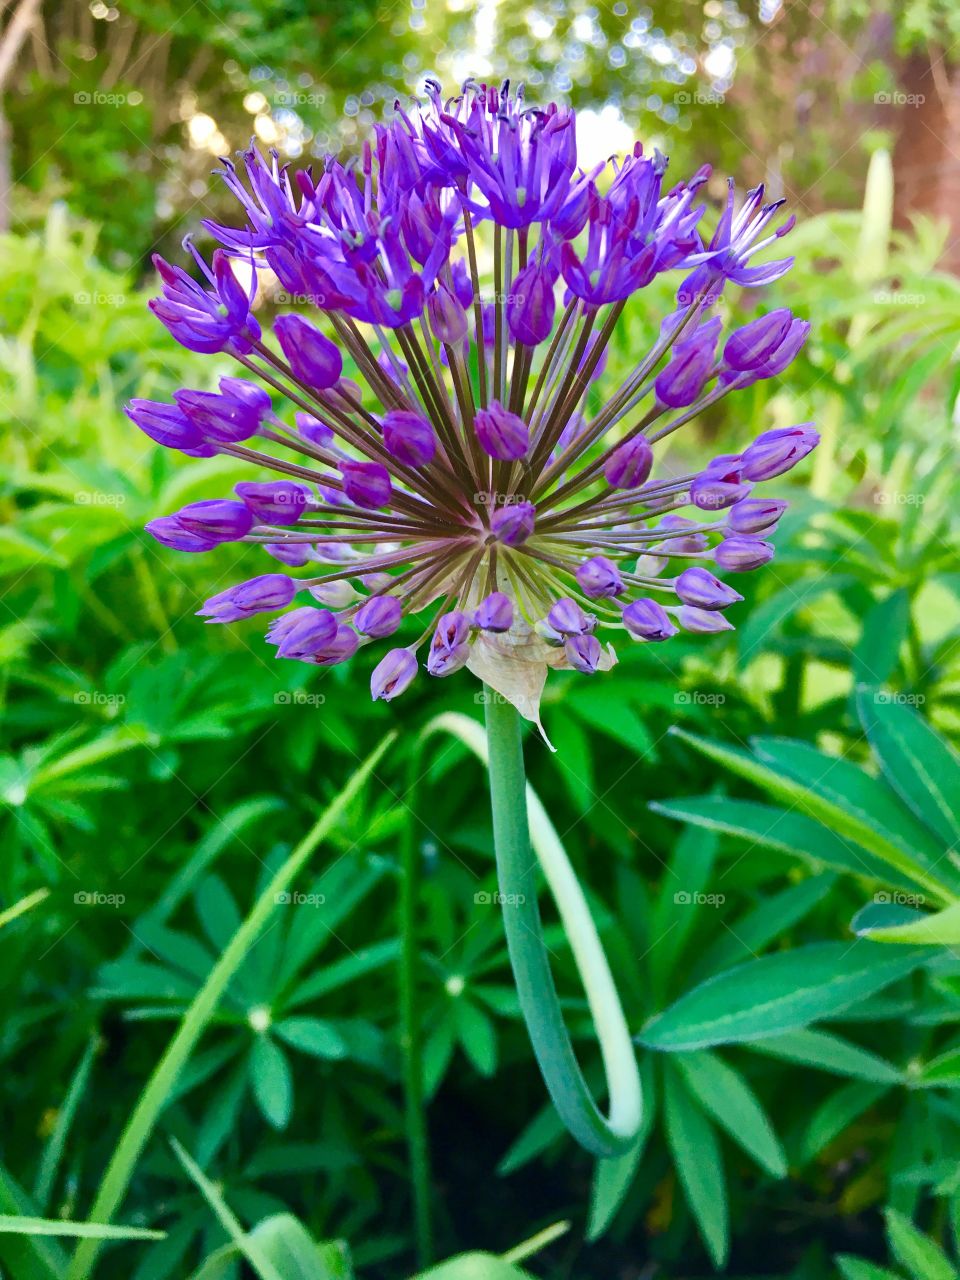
x: 153, y: 770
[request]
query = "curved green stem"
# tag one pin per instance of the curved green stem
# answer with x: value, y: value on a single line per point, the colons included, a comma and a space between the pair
x: 516, y: 867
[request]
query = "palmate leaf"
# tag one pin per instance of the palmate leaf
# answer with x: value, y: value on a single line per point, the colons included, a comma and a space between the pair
x: 921, y: 1257
x: 843, y: 798
x: 726, y: 1096
x: 777, y: 993
x: 828, y: 1052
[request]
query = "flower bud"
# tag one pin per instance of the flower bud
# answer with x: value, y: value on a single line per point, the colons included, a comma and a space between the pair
x: 566, y: 618
x: 314, y: 359
x: 648, y: 620
x: 295, y: 554
x: 448, y: 319
x: 247, y: 392
x: 599, y: 577
x: 343, y: 646
x: 495, y: 613
x: 583, y: 653
x: 224, y: 419
x: 775, y: 452
x: 274, y: 501
x: 378, y: 617
x: 449, y: 649
x: 393, y: 674
x: 169, y: 532
x: 302, y: 633
x: 754, y: 515
x: 168, y: 425
x: 409, y: 438
x: 219, y: 519
x: 698, y: 586
x: 513, y: 524
x: 681, y: 381
x: 259, y: 595
x: 314, y: 430
x: 501, y: 433
x: 334, y: 595
x: 719, y: 485
x: 629, y: 464
x: 367, y: 484
x: 702, y: 620
x: 738, y: 554
x: 531, y: 306
x: 749, y: 347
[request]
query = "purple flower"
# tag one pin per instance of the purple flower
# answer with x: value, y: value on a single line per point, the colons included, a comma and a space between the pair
x: 467, y: 472
x: 378, y: 617
x: 720, y: 485
x: 314, y: 359
x: 448, y: 319
x: 275, y: 501
x: 494, y: 613
x: 754, y: 515
x: 393, y: 674
x: 512, y: 525
x: 168, y: 425
x: 501, y: 433
x: 409, y: 438
x: 698, y: 586
x: 224, y: 419
x: 583, y: 653
x: 648, y: 620
x: 775, y: 452
x: 206, y: 320
x: 531, y: 307
x: 630, y: 464
x: 566, y: 618
x: 599, y: 577
x: 366, y: 483
x: 702, y: 620
x: 260, y: 595
x: 740, y: 553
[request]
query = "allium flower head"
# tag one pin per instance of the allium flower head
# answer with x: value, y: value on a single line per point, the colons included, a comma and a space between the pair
x: 419, y: 438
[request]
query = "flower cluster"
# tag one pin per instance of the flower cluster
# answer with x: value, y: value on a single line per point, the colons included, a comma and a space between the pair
x: 464, y: 480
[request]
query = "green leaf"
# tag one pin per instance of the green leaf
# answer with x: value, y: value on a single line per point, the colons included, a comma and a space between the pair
x: 852, y: 1268
x: 612, y: 1178
x: 775, y: 993
x: 940, y: 928
x: 725, y: 1095
x: 885, y: 629
x: 924, y: 1259
x: 942, y: 1071
x: 919, y: 764
x: 850, y: 814
x: 312, y: 1035
x: 286, y: 1243
x: 829, y: 1053
x: 474, y: 1266
x: 784, y: 831
x: 60, y: 1227
x: 272, y: 1082
x: 772, y: 918
x: 699, y: 1165
x: 476, y: 1034
x: 838, y: 1111
x: 678, y: 905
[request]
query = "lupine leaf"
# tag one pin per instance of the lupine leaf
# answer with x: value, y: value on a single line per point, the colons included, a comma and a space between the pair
x: 699, y: 1165
x: 726, y: 1096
